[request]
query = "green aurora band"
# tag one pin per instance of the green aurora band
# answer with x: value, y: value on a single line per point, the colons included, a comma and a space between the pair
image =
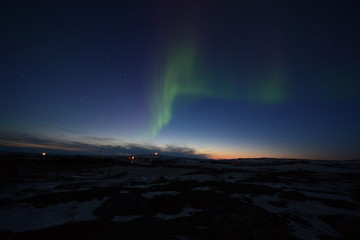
x: 184, y: 74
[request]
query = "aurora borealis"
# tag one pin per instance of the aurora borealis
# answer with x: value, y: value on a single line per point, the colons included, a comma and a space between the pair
x: 214, y: 79
x: 180, y: 78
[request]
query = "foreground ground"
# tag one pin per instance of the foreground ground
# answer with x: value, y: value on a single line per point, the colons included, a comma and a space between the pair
x: 252, y: 199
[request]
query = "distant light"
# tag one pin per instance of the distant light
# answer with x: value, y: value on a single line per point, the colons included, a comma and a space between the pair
x: 44, y: 154
x: 132, y: 158
x: 156, y: 154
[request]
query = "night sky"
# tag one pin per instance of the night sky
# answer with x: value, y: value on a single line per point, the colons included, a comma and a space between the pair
x: 217, y: 79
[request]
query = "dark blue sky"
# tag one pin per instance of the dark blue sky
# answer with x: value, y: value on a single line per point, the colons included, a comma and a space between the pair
x: 217, y: 79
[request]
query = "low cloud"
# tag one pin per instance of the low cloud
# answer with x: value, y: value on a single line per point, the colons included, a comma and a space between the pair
x: 13, y: 141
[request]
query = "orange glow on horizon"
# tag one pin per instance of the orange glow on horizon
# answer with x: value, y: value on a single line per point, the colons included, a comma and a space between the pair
x: 249, y: 154
x: 225, y: 156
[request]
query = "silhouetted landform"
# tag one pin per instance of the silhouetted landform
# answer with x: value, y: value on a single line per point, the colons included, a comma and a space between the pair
x: 164, y: 197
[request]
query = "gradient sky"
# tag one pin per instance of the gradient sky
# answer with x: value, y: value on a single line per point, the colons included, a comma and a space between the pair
x: 218, y: 79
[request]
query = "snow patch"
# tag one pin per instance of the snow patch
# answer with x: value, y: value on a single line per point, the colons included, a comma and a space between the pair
x: 19, y: 218
x: 154, y: 194
x: 186, y: 212
x: 207, y: 188
x: 126, y: 218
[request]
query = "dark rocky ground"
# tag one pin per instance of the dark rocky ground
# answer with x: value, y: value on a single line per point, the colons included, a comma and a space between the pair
x: 164, y: 201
